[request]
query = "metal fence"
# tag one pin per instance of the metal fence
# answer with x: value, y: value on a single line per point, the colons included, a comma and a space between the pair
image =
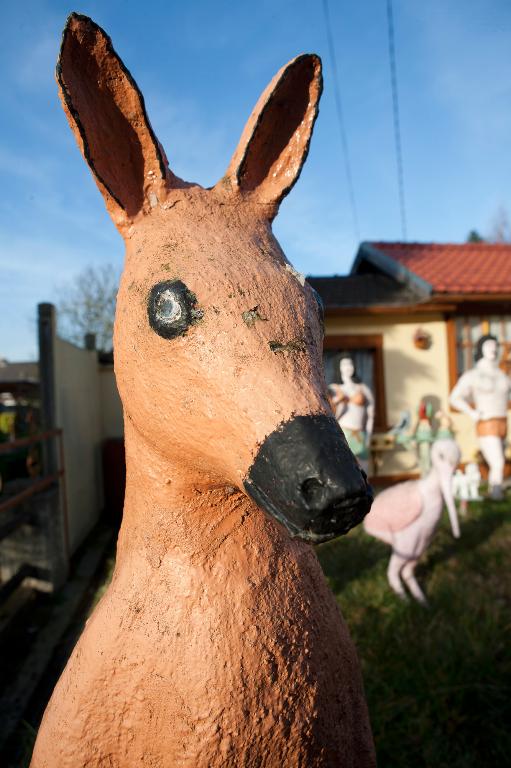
x: 19, y: 509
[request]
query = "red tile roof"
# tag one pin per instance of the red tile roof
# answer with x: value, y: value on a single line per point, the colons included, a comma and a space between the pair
x: 455, y: 268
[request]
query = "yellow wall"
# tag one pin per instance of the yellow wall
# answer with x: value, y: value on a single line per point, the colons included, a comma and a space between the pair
x: 410, y: 374
x: 79, y: 415
x: 88, y: 410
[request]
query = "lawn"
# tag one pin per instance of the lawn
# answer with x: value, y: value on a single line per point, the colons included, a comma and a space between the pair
x: 437, y: 680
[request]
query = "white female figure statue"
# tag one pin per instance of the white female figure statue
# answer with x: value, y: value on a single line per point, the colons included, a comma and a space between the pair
x: 353, y: 405
x: 483, y: 394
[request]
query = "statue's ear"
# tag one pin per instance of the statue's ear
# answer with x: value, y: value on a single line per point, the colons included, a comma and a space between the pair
x: 106, y: 112
x: 275, y: 142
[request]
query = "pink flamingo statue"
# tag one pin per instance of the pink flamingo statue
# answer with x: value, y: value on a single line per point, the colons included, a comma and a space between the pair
x: 406, y: 516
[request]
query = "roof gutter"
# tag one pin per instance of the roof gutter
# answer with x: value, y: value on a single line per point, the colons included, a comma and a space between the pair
x: 390, y: 267
x: 425, y: 308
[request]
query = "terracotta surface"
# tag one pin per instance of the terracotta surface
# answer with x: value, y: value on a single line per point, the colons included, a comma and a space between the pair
x: 218, y: 642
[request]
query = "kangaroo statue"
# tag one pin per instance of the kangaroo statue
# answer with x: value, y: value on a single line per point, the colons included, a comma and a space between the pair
x: 218, y: 642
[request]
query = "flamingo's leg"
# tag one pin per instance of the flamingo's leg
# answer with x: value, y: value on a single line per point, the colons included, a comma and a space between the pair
x: 396, y: 563
x: 408, y: 576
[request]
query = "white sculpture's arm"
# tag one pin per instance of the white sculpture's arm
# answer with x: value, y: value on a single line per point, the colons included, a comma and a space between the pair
x: 338, y: 399
x: 370, y: 411
x: 460, y: 397
x: 335, y: 393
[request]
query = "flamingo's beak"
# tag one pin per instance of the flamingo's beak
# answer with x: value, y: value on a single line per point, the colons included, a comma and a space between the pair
x: 446, y: 473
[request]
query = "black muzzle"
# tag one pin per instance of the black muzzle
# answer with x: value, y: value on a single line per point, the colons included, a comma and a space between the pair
x: 306, y: 477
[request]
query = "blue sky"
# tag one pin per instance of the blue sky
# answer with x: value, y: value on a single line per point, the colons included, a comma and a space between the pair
x: 201, y: 66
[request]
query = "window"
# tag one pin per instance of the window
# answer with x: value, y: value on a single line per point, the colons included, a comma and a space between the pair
x: 464, y: 334
x: 367, y: 355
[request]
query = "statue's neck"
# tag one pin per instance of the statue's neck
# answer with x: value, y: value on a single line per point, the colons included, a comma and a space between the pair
x: 171, y: 511
x: 487, y: 365
x: 432, y: 480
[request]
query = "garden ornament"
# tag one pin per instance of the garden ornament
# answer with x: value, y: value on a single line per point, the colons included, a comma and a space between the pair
x: 424, y: 437
x: 400, y: 429
x: 473, y: 476
x: 406, y: 515
x: 465, y: 486
x: 218, y: 642
x: 353, y: 405
x: 460, y: 490
x: 460, y: 485
x: 445, y: 427
x: 483, y: 394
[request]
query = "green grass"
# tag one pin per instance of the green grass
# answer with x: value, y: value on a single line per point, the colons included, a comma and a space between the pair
x: 437, y: 680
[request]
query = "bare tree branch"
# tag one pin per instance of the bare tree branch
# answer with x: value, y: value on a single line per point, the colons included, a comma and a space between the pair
x: 500, y: 229
x: 87, y: 305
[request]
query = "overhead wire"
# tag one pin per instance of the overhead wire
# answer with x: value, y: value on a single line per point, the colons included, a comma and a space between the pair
x: 340, y: 118
x: 395, y: 112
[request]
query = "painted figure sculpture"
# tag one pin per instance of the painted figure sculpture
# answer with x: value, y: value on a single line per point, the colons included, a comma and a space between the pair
x: 483, y: 394
x: 424, y: 437
x: 353, y: 404
x: 445, y: 426
x: 406, y: 516
x: 218, y: 642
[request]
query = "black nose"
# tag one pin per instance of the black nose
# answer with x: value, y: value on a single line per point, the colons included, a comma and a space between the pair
x: 306, y: 477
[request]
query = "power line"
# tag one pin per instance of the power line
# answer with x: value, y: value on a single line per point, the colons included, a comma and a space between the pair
x: 340, y: 116
x: 395, y: 109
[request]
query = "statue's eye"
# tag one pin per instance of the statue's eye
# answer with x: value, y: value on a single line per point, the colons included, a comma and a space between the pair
x: 172, y: 308
x: 168, y: 308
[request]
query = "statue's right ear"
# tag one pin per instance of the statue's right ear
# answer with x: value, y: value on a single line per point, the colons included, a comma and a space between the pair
x: 107, y: 114
x: 275, y: 142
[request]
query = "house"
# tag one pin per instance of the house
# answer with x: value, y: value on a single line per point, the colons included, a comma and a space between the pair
x: 410, y: 315
x: 20, y: 379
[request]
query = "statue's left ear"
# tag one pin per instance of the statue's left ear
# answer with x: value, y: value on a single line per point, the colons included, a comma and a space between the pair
x: 275, y: 142
x: 106, y: 111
